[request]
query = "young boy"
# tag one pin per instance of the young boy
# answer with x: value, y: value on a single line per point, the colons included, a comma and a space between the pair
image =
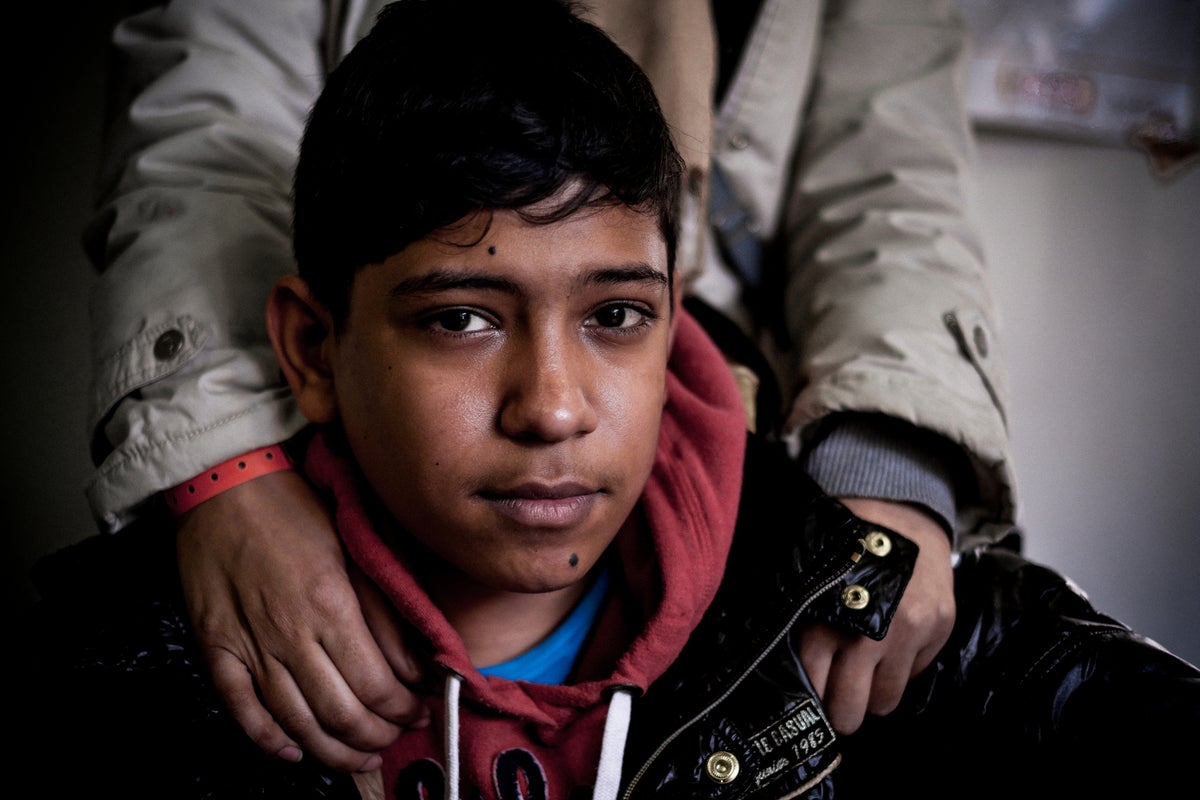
x: 531, y: 449
x: 482, y: 325
x: 540, y: 458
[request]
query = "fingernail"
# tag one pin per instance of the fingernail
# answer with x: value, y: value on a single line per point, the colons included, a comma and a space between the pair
x: 290, y: 753
x: 372, y: 763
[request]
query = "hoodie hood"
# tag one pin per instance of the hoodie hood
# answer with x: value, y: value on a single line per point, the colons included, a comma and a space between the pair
x: 545, y: 734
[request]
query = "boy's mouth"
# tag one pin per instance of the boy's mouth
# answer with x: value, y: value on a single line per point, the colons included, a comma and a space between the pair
x: 539, y: 505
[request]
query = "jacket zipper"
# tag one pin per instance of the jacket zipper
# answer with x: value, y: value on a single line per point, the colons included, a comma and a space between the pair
x: 829, y: 583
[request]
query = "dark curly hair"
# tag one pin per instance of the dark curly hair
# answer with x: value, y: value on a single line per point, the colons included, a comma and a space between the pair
x: 449, y: 107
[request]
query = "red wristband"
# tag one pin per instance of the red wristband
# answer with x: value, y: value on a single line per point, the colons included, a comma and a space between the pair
x: 226, y: 475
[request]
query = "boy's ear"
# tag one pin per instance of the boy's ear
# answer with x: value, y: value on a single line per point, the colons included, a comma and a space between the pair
x: 301, y: 331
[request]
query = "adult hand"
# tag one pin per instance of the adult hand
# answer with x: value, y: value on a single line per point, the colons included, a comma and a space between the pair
x: 276, y: 615
x: 854, y: 675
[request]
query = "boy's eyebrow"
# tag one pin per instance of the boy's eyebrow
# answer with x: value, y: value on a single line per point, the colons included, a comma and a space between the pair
x: 442, y: 280
x: 640, y: 272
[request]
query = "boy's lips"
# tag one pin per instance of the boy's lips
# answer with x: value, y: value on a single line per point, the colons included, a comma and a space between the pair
x: 540, y: 505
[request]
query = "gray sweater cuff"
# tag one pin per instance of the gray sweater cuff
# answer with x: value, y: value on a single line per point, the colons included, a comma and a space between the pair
x: 879, y: 457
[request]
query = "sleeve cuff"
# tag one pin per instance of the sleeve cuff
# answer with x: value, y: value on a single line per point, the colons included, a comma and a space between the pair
x: 879, y: 457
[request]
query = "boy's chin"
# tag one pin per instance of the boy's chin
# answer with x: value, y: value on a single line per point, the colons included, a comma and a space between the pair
x: 550, y: 575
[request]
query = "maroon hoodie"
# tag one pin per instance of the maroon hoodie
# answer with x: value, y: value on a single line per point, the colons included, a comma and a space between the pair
x: 498, y: 738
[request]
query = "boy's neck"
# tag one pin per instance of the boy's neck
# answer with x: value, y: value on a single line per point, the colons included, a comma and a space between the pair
x: 497, y: 625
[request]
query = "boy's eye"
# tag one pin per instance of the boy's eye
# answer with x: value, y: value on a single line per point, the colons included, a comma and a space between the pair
x: 459, y: 320
x: 620, y: 315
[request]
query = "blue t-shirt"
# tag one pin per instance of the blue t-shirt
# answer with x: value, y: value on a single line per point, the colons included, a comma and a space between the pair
x: 550, y: 661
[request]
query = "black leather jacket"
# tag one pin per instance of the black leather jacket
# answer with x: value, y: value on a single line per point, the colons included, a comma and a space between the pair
x: 736, y: 716
x: 1036, y: 692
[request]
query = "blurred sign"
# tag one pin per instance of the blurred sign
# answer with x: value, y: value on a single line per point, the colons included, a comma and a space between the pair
x: 1115, y: 72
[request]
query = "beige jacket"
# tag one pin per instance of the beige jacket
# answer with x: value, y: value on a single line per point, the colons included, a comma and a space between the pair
x: 843, y: 136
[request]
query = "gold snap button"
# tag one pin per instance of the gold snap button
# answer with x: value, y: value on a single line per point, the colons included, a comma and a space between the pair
x: 879, y: 543
x: 722, y: 767
x: 855, y: 597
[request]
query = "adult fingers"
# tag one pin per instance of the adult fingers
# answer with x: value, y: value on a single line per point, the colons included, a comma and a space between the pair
x: 816, y: 650
x: 848, y: 689
x: 235, y: 685
x: 359, y: 697
x: 312, y: 703
x: 393, y: 701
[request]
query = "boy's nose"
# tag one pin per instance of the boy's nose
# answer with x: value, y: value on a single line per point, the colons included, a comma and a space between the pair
x: 547, y: 397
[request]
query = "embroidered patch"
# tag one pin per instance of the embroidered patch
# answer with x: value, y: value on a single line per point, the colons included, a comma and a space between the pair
x: 795, y: 736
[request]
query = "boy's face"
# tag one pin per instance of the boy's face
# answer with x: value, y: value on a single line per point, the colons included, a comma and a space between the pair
x: 504, y: 398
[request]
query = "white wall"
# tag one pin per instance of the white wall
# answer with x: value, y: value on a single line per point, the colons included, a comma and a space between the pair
x: 1096, y: 268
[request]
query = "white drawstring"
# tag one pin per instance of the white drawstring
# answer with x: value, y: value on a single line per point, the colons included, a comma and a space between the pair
x: 453, y: 687
x: 612, y: 744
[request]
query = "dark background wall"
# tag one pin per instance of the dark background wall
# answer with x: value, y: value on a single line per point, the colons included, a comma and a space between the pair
x: 54, y: 100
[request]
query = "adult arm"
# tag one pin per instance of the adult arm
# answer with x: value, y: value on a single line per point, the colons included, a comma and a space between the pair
x: 192, y: 230
x: 886, y: 291
x: 890, y: 305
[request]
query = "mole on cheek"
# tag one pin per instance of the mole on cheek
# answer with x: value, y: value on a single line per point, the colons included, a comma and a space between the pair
x: 492, y: 250
x: 573, y: 560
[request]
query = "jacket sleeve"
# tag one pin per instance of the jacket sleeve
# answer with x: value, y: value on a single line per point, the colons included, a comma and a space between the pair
x: 191, y: 230
x: 887, y: 296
